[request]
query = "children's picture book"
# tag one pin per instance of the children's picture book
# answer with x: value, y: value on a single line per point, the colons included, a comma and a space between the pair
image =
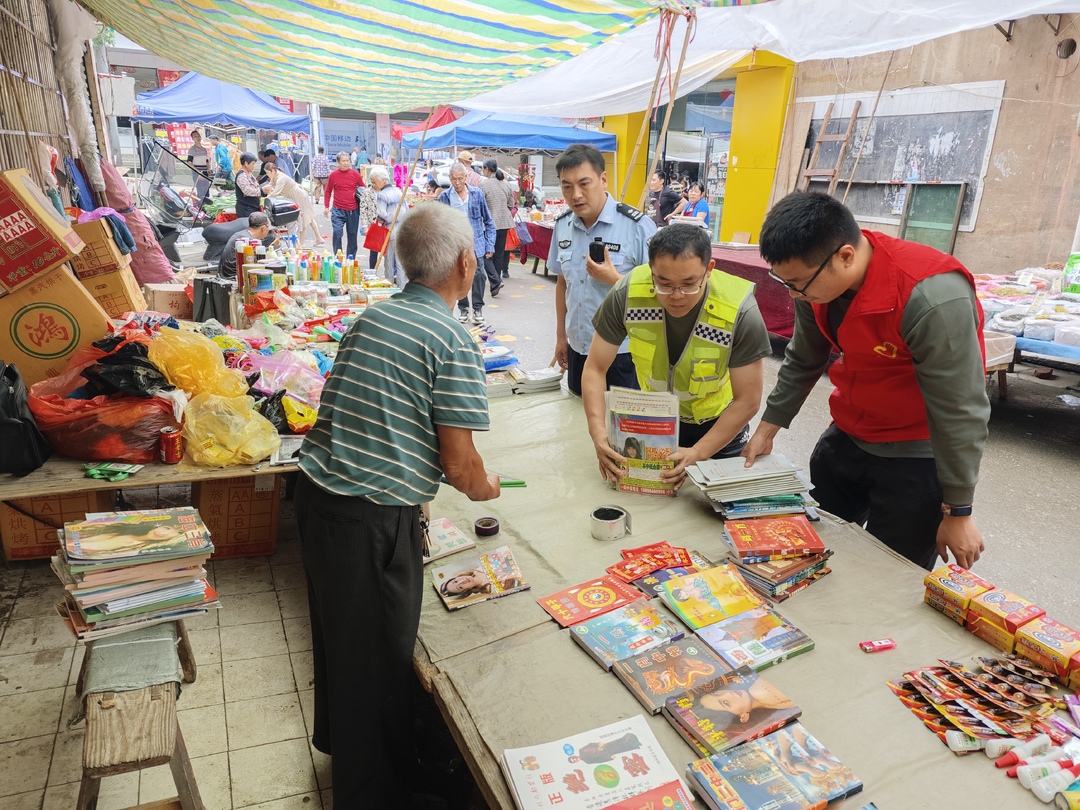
x: 643, y: 427
x: 706, y: 597
x: 668, y: 670
x: 148, y: 533
x: 756, y: 638
x: 444, y: 539
x: 591, y: 770
x: 625, y: 632
x: 650, y: 583
x: 672, y: 796
x: 784, y: 770
x: 478, y: 578
x: 580, y: 602
x: 761, y: 539
x: 731, y: 709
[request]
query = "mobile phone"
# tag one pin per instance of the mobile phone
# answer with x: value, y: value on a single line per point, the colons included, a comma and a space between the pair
x: 596, y: 250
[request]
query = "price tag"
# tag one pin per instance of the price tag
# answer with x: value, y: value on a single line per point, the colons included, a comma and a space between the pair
x: 1037, y: 302
x: 1024, y: 278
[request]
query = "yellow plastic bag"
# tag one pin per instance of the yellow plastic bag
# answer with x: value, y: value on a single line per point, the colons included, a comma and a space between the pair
x: 299, y: 415
x: 227, y: 431
x: 194, y: 363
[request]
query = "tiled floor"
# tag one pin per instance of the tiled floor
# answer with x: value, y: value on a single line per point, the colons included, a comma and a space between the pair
x: 246, y: 719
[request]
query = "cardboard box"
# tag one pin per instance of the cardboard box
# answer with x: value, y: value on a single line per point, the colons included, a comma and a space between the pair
x: 171, y: 299
x: 115, y: 288
x: 34, y: 237
x: 1004, y: 609
x: 956, y: 585
x: 101, y: 252
x: 990, y: 633
x: 958, y: 615
x: 45, y: 322
x: 241, y: 514
x: 1050, y: 644
x: 27, y: 539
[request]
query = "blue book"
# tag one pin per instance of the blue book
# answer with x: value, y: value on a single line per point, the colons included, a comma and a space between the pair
x: 625, y: 632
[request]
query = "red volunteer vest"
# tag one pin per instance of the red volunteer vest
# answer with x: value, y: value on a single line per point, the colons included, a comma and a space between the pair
x: 877, y: 397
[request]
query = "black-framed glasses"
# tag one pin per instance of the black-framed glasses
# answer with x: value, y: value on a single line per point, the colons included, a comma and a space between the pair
x: 806, y: 286
x: 686, y: 289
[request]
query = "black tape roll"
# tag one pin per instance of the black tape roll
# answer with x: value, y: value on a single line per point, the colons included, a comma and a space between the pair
x: 486, y: 527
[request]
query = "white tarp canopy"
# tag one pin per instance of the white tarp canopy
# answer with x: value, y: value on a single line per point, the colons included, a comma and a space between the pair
x: 617, y: 76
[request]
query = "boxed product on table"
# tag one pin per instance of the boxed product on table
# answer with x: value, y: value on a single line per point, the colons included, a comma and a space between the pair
x: 100, y: 252
x: 1050, y: 644
x: 991, y: 633
x: 172, y: 299
x: 1004, y: 609
x: 34, y: 237
x: 956, y: 585
x: 25, y: 538
x: 956, y: 614
x: 241, y: 514
x: 115, y: 288
x: 43, y: 323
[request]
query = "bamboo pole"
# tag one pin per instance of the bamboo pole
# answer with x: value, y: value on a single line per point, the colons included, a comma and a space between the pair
x: 401, y: 202
x: 642, y: 133
x: 670, y: 106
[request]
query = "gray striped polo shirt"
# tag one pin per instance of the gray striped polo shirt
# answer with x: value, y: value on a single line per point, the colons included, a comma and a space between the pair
x: 404, y: 367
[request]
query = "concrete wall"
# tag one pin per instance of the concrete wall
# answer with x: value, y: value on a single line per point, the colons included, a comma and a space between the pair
x: 1031, y: 197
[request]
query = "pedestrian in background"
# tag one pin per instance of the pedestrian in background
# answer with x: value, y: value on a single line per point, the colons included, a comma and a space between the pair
x: 320, y: 170
x: 341, y: 187
x: 470, y: 201
x: 500, y: 201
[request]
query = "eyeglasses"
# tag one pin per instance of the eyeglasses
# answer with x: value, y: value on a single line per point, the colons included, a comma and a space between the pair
x: 806, y: 286
x: 689, y: 289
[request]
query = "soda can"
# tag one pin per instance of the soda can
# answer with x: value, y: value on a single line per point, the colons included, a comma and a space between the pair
x: 172, y: 445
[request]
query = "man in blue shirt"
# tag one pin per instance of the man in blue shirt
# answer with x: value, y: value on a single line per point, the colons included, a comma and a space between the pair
x: 583, y: 283
x: 221, y: 158
x: 362, y: 157
x: 470, y: 200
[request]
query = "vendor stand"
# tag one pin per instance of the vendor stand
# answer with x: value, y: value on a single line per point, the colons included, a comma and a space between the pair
x: 540, y: 246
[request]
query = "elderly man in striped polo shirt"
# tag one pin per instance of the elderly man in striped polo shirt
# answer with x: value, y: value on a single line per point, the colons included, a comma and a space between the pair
x: 398, y: 411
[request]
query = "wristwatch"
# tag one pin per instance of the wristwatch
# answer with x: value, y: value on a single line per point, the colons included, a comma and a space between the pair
x: 955, y: 511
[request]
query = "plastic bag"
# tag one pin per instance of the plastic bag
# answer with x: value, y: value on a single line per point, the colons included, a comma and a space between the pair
x: 272, y: 410
x: 104, y: 428
x: 22, y: 447
x: 193, y: 362
x: 285, y: 370
x: 223, y: 431
x: 299, y: 416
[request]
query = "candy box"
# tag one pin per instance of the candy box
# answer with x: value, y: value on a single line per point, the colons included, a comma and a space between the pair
x: 1050, y: 644
x: 956, y: 585
x: 956, y: 614
x: 1004, y: 609
x: 991, y: 633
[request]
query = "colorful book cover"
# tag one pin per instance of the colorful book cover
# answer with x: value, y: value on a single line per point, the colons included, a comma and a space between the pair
x: 731, y: 709
x: 580, y: 602
x: 472, y: 579
x: 667, y: 671
x: 776, y: 589
x: 786, y: 769
x: 625, y: 632
x: 444, y: 539
x: 706, y: 597
x: 777, y: 572
x: 590, y: 770
x: 802, y: 585
x: 145, y: 533
x: 757, y: 639
x: 672, y: 796
x: 650, y: 583
x: 791, y: 536
x: 645, y: 442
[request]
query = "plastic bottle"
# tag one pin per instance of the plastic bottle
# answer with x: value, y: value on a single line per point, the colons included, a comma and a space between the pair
x: 1067, y: 800
x: 1037, y: 746
x: 1030, y: 774
x: 959, y: 741
x: 999, y: 747
x: 1052, y: 755
x: 1046, y: 787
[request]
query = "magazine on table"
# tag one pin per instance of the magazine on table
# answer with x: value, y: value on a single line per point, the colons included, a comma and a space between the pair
x: 643, y: 427
x: 476, y: 578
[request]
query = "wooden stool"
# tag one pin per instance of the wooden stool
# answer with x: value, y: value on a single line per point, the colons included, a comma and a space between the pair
x: 129, y: 731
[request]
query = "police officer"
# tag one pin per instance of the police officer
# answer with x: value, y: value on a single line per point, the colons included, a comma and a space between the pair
x: 582, y: 282
x: 694, y: 331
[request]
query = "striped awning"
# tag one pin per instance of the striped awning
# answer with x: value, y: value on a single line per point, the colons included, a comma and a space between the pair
x: 382, y: 55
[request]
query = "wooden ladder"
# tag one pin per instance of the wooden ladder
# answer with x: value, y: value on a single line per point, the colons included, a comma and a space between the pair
x: 813, y: 170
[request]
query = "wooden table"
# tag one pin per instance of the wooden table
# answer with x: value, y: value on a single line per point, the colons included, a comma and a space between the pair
x: 505, y: 675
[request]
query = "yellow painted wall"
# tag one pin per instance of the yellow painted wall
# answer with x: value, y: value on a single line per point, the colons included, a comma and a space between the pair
x: 626, y: 128
x: 761, y: 100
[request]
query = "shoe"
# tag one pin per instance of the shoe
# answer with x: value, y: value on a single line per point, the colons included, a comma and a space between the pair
x: 505, y: 275
x: 462, y: 314
x: 478, y: 315
x: 496, y: 290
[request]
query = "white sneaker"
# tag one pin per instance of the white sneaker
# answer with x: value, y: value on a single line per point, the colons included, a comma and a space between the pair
x: 463, y: 314
x: 478, y: 315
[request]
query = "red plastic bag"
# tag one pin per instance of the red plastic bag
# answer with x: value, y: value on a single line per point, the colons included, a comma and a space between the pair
x: 116, y: 428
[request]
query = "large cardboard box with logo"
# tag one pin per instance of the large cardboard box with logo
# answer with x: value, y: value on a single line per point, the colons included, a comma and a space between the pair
x: 241, y: 514
x: 172, y: 299
x: 43, y: 323
x: 34, y: 236
x: 27, y: 538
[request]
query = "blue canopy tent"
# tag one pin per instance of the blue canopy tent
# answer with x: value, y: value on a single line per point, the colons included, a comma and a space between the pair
x: 198, y: 99
x: 483, y: 130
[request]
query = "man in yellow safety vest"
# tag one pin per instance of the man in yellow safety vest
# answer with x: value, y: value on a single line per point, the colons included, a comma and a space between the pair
x: 694, y: 331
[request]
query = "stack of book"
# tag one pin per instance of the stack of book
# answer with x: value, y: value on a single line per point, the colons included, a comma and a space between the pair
x: 125, y: 570
x: 499, y: 384
x: 535, y: 382
x: 643, y: 427
x: 778, y: 557
x: 773, y: 486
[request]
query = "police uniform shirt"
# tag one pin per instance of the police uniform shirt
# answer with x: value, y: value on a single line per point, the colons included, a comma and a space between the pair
x: 626, y: 237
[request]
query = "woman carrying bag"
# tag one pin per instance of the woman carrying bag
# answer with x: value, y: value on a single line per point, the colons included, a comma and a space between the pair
x: 387, y: 197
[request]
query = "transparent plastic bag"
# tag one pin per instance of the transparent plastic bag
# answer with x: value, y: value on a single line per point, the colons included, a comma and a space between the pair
x: 194, y: 363
x: 285, y: 370
x: 226, y: 431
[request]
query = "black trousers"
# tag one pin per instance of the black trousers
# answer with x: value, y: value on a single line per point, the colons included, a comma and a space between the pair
x: 898, y: 500
x: 621, y: 373
x: 485, y: 269
x: 498, y: 255
x: 365, y: 583
x: 690, y: 434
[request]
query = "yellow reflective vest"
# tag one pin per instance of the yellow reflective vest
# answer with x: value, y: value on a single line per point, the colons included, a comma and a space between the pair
x: 700, y: 376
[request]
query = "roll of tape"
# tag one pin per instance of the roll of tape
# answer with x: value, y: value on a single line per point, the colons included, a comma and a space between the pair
x: 486, y: 527
x: 610, y: 522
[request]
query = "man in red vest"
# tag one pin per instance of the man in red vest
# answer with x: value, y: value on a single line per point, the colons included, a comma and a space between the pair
x: 910, y: 409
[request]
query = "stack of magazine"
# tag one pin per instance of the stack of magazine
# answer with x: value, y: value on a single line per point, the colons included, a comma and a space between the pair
x: 774, y: 486
x: 534, y: 382
x: 643, y: 427
x: 125, y: 570
x: 499, y: 384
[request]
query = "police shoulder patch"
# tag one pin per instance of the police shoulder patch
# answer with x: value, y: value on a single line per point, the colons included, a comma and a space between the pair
x: 628, y: 211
